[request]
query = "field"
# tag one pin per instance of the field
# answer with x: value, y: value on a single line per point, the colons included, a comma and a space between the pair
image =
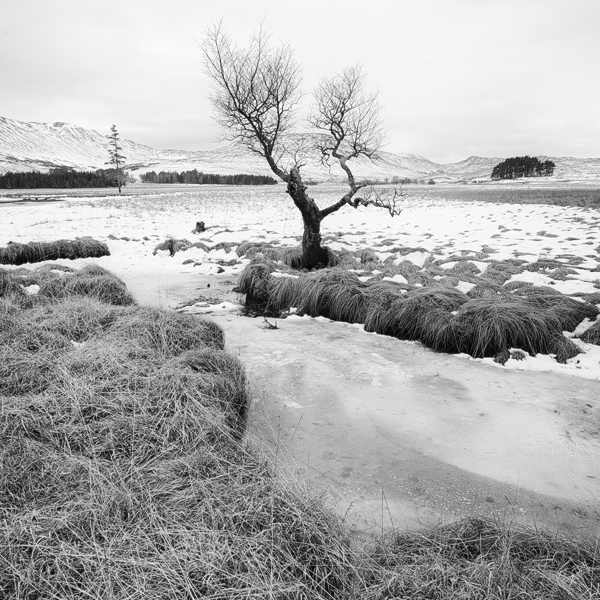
x: 394, y: 434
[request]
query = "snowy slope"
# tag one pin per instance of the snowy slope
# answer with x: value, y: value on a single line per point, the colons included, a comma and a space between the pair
x: 42, y: 146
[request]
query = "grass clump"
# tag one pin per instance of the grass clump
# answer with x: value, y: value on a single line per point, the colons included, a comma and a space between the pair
x: 477, y: 558
x: 592, y: 335
x: 174, y: 245
x: 486, y: 322
x: 90, y: 281
x: 570, y: 312
x: 33, y: 252
x: 333, y: 293
x: 483, y: 328
x: 412, y: 317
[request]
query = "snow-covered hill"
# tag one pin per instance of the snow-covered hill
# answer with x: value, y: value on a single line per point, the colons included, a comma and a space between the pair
x: 42, y: 146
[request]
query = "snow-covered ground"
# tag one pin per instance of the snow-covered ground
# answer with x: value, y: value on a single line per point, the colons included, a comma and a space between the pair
x: 133, y: 225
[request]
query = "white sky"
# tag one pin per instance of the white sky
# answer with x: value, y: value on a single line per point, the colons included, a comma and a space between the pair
x: 456, y: 77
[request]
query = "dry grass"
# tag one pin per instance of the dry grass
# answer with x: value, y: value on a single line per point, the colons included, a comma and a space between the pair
x: 290, y: 257
x: 90, y: 281
x: 33, y: 252
x: 174, y: 245
x: 484, y: 327
x: 124, y: 474
x: 480, y: 559
x: 332, y: 293
x: 410, y: 317
x: 489, y: 321
x: 570, y: 312
x: 592, y: 335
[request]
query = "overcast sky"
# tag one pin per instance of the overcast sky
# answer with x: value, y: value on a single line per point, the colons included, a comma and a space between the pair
x: 456, y: 77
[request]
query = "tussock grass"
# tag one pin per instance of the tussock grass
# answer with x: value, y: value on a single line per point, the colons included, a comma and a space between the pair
x: 381, y: 296
x: 333, y: 293
x: 421, y: 278
x: 174, y: 245
x: 543, y: 265
x: 483, y: 328
x: 479, y: 558
x: 487, y: 290
x: 254, y: 283
x: 347, y: 260
x: 413, y: 317
x: 592, y: 335
x: 517, y: 285
x: 84, y: 247
x: 284, y: 293
x: 592, y: 298
x: 569, y: 311
x: 463, y: 267
x: 245, y: 247
x: 406, y: 268
x: 562, y: 273
x: 501, y: 271
x: 291, y: 257
x: 90, y: 281
x: 489, y: 320
x: 448, y: 281
x: 166, y: 333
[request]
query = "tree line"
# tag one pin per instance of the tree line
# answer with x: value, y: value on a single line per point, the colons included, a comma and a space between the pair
x: 60, y: 178
x: 196, y: 176
x: 523, y: 166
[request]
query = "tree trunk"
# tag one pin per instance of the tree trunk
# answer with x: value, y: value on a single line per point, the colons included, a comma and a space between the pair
x: 314, y: 256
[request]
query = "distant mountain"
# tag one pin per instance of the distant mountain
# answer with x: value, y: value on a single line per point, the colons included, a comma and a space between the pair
x: 42, y: 146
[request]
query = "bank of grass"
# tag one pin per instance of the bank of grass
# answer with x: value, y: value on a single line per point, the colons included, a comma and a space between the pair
x: 34, y: 252
x: 488, y: 321
x: 124, y: 474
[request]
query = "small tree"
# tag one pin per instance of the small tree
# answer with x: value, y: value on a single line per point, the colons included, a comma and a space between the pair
x: 116, y: 158
x: 255, y: 94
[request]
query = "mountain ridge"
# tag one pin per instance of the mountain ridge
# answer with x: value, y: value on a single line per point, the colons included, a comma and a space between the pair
x: 26, y: 146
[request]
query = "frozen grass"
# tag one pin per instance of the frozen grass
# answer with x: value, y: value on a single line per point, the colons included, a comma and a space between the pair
x: 123, y: 474
x: 486, y: 322
x: 33, y: 252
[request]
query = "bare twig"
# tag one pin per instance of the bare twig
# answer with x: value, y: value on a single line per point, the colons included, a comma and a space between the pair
x: 387, y: 198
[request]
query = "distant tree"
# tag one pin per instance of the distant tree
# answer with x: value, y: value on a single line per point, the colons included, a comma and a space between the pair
x: 255, y: 94
x: 523, y: 166
x: 60, y: 177
x: 116, y: 158
x: 198, y: 177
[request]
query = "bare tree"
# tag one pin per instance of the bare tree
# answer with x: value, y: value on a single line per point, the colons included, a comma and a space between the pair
x: 255, y: 94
